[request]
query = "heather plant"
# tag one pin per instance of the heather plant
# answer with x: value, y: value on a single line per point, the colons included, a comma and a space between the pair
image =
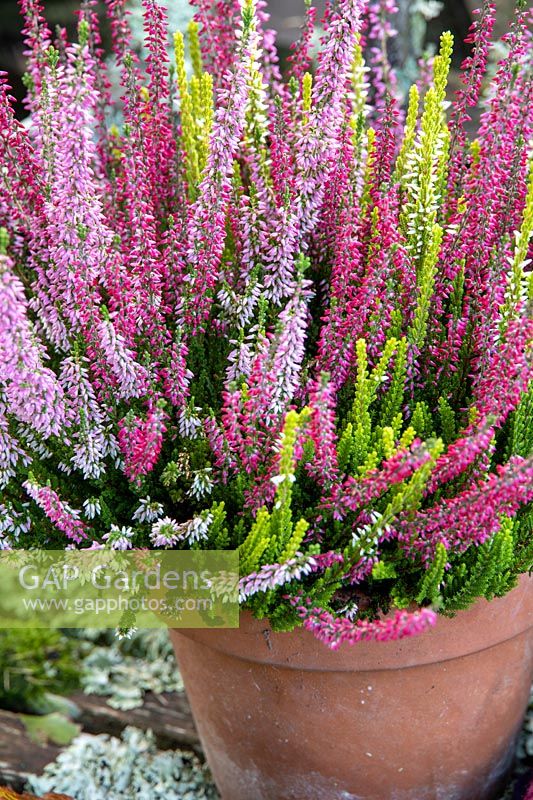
x: 277, y: 313
x: 35, y: 665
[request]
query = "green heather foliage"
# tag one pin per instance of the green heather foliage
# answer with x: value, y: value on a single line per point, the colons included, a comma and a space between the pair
x: 33, y: 664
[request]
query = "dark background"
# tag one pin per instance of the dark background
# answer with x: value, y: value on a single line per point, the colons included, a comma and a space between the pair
x: 58, y: 12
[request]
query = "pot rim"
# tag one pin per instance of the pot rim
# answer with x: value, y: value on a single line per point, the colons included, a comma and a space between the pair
x: 480, y: 627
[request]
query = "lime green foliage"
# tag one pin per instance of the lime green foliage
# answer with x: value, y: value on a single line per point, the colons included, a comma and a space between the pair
x: 426, y: 283
x: 522, y: 445
x: 380, y: 370
x: 187, y: 119
x: 361, y: 448
x: 359, y: 84
x: 382, y: 570
x: 218, y: 532
x: 281, y: 522
x: 519, y: 281
x: 408, y: 496
x: 204, y: 115
x: 196, y: 106
x: 456, y: 299
x: 407, y: 438
x: 188, y: 125
x: 4, y: 241
x: 425, y: 165
x: 524, y: 542
x: 370, y: 158
x: 194, y: 49
x: 360, y: 414
x: 441, y: 67
x: 307, y: 85
x: 345, y: 448
x: 255, y: 544
x: 394, y: 398
x: 387, y: 442
x: 357, y: 125
x: 409, y: 133
x: 273, y: 537
x: 405, y: 497
x: 422, y: 172
x: 522, y: 438
x: 399, y: 598
x: 295, y: 542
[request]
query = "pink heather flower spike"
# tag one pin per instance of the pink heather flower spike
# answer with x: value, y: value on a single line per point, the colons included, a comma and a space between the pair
x: 20, y: 187
x: 31, y: 390
x: 473, y: 515
x: 92, y: 440
x: 506, y: 373
x: 118, y: 13
x: 140, y: 443
x: 38, y: 38
x: 473, y: 70
x: 159, y: 143
x: 206, y: 230
x: 66, y: 519
x: 334, y: 631
x: 218, y: 21
x: 301, y: 57
x: 316, y: 145
x: 379, y: 30
x: 461, y: 454
x: 324, y: 466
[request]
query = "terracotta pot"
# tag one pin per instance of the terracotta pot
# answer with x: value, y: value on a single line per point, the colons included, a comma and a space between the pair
x: 430, y: 717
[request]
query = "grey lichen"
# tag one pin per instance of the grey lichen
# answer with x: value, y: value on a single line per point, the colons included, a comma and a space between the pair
x: 122, y: 671
x: 130, y: 768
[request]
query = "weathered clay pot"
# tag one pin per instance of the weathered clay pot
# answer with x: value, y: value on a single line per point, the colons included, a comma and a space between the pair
x: 430, y: 717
